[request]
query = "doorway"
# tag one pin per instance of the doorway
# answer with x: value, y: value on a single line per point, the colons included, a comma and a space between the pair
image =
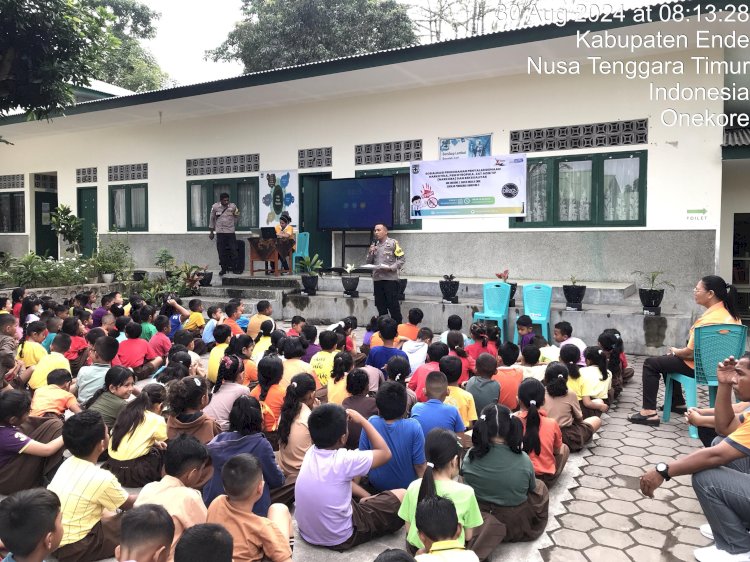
x: 87, y: 202
x: 46, y: 239
x: 320, y: 241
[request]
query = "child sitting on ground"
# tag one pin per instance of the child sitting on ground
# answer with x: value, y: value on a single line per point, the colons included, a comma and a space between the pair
x: 357, y: 384
x: 435, y: 352
x: 78, y: 351
x: 270, y: 394
x: 451, y: 367
x: 10, y: 367
x: 86, y: 491
x: 434, y: 413
x: 542, y: 438
x: 138, y: 439
x: 563, y: 335
x: 455, y: 347
x: 160, y: 342
x: 525, y: 329
x: 410, y: 329
x: 54, y: 360
x: 145, y: 317
x: 187, y: 398
x: 227, y: 389
x: 186, y: 338
x: 397, y: 370
x: 596, y: 381
x: 297, y: 323
x: 121, y: 322
x: 30, y: 525
x: 610, y: 346
x: 486, y: 340
x: 322, y: 361
x: 55, y: 398
x: 256, y: 537
x: 335, y: 393
x: 30, y: 350
x: 222, y: 333
x: 326, y: 513
x: 91, y: 377
x: 292, y: 348
x: 547, y: 352
x: 205, y: 542
x: 242, y: 347
x: 215, y: 318
x: 146, y: 535
x: 310, y: 333
x: 53, y: 326
x: 530, y: 363
x: 443, y: 453
x: 416, y: 350
x: 136, y: 354
x: 439, y: 529
x: 30, y: 448
x: 187, y: 467
x: 482, y: 387
x: 379, y: 355
x: 195, y: 321
x: 112, y: 396
x: 562, y: 406
x: 509, y: 375
x: 403, y: 436
x: 455, y: 324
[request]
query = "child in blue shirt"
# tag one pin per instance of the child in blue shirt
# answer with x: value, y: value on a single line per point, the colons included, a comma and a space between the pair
x: 434, y: 413
x: 53, y: 326
x: 380, y: 355
x: 403, y: 436
x: 215, y: 317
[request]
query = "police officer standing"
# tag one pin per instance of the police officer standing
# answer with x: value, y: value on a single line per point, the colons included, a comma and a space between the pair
x: 223, y: 219
x: 388, y: 257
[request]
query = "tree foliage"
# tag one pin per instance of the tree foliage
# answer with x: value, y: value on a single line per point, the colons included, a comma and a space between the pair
x: 279, y: 33
x: 46, y: 45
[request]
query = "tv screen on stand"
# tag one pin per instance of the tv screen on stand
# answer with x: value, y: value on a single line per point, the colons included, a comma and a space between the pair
x: 355, y: 203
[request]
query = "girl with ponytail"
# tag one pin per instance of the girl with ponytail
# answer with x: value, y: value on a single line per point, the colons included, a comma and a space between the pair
x: 30, y: 351
x: 293, y: 433
x: 569, y: 356
x: 186, y: 398
x: 263, y: 340
x: 244, y: 436
x: 562, y: 406
x: 521, y: 502
x: 227, y: 388
x: 455, y: 347
x: 611, y: 347
x: 293, y: 348
x: 111, y: 398
x: 485, y: 340
x: 343, y: 362
x: 270, y: 394
x: 138, y: 439
x: 242, y: 346
x: 542, y: 438
x: 596, y: 382
x: 398, y: 369
x: 443, y: 453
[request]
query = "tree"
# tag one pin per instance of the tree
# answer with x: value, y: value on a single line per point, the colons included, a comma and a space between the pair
x: 69, y: 227
x: 45, y: 46
x: 279, y: 33
x: 130, y: 65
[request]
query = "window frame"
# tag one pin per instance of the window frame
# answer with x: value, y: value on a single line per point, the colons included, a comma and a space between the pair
x: 234, y: 184
x: 597, y: 191
x: 414, y: 224
x: 128, y: 207
x: 21, y: 196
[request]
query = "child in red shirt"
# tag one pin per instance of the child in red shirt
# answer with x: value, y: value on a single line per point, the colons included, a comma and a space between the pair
x: 542, y: 438
x: 456, y: 347
x: 509, y: 375
x: 78, y: 352
x: 485, y: 340
x: 136, y: 354
x: 435, y: 352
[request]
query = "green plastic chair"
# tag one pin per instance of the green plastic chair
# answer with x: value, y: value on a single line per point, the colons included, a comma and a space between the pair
x: 303, y: 248
x: 712, y: 344
x: 537, y: 304
x: 495, y: 299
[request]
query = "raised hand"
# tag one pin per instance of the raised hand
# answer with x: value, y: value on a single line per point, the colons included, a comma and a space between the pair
x: 725, y: 371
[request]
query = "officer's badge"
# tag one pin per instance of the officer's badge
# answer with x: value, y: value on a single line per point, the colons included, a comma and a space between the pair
x: 398, y: 252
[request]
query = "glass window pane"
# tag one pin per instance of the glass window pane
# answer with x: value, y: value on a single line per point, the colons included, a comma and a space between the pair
x: 247, y: 203
x: 621, y: 189
x: 119, y: 209
x: 401, y: 200
x: 200, y: 205
x: 574, y: 189
x: 18, y: 215
x: 536, y: 193
x: 6, y: 224
x: 138, y: 208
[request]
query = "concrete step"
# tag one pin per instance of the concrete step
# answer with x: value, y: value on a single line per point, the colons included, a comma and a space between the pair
x: 284, y: 282
x: 232, y: 292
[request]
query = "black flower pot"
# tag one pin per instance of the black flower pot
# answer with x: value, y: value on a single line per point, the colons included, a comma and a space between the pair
x: 651, y: 298
x: 402, y: 289
x: 574, y: 296
x: 513, y: 287
x: 449, y: 289
x: 139, y: 275
x: 206, y: 279
x: 310, y: 283
x: 350, y: 284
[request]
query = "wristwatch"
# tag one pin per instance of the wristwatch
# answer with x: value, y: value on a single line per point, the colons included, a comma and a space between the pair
x: 663, y: 470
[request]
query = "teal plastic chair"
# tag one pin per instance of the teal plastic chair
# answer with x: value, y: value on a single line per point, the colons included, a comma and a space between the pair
x: 496, y: 296
x: 303, y: 248
x: 712, y: 344
x: 537, y: 304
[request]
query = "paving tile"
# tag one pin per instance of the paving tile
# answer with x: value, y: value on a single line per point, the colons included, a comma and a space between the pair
x: 558, y: 554
x: 689, y: 535
x: 627, y: 470
x: 620, y: 507
x: 687, y: 504
x: 601, y: 471
x: 571, y: 539
x: 615, y: 522
x: 688, y: 519
x: 589, y: 494
x: 655, y: 506
x: 602, y: 461
x: 599, y: 553
x: 633, y: 451
x: 632, y: 460
x: 644, y: 553
x: 635, y: 442
x: 608, y: 537
x: 578, y: 522
x: 683, y: 552
x: 649, y: 537
x: 583, y: 507
x: 593, y: 482
x: 625, y: 494
x: 606, y: 452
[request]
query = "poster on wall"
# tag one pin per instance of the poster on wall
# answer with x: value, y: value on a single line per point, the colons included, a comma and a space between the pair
x: 469, y: 187
x: 278, y: 191
x: 475, y: 146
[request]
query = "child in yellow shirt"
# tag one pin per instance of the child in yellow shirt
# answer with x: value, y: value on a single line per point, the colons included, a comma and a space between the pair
x: 451, y: 366
x: 195, y: 321
x: 31, y: 351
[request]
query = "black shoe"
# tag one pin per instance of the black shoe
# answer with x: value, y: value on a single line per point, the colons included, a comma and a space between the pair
x: 676, y: 408
x: 639, y: 418
x: 222, y: 272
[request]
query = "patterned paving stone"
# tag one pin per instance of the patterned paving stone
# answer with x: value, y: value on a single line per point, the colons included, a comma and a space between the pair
x: 627, y: 470
x: 688, y: 535
x: 602, y: 461
x: 635, y: 442
x: 624, y: 494
x: 557, y: 554
x: 649, y: 537
x: 688, y: 519
x: 578, y: 522
x: 632, y: 460
x: 644, y: 553
x: 601, y: 471
x: 593, y: 482
x: 606, y: 452
x: 589, y: 494
x: 620, y: 507
x: 687, y: 504
x: 656, y: 506
x: 599, y: 553
x: 615, y: 539
x: 615, y: 522
x: 683, y: 552
x: 584, y: 507
x: 571, y: 539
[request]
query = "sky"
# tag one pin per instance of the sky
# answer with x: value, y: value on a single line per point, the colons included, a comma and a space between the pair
x: 186, y: 30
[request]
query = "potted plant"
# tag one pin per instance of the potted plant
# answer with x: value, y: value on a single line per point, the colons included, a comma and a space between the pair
x: 113, y: 259
x: 350, y: 281
x: 309, y: 267
x: 574, y: 294
x: 513, y: 286
x: 165, y: 260
x: 651, y: 291
x: 449, y: 289
x: 69, y: 227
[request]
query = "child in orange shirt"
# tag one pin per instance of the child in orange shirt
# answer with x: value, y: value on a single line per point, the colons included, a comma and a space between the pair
x: 55, y: 398
x: 242, y: 346
x: 270, y: 394
x: 542, y: 438
x: 509, y: 375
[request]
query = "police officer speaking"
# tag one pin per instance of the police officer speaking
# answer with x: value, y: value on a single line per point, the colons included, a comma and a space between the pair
x: 387, y: 257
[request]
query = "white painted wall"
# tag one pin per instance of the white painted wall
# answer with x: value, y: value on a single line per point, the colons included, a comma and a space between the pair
x: 684, y: 164
x: 735, y: 198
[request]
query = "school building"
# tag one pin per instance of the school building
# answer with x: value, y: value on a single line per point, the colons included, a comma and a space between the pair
x: 613, y: 186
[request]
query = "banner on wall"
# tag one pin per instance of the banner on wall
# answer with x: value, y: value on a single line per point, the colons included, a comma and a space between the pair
x: 278, y: 191
x: 469, y: 187
x: 475, y: 146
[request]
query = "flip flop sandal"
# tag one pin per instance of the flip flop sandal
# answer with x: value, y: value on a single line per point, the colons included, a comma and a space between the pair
x: 639, y: 418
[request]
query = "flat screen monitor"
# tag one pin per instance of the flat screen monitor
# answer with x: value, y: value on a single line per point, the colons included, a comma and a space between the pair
x: 355, y: 203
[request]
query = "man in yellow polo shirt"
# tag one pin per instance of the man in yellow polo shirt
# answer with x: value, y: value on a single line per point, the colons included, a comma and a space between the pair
x: 48, y: 363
